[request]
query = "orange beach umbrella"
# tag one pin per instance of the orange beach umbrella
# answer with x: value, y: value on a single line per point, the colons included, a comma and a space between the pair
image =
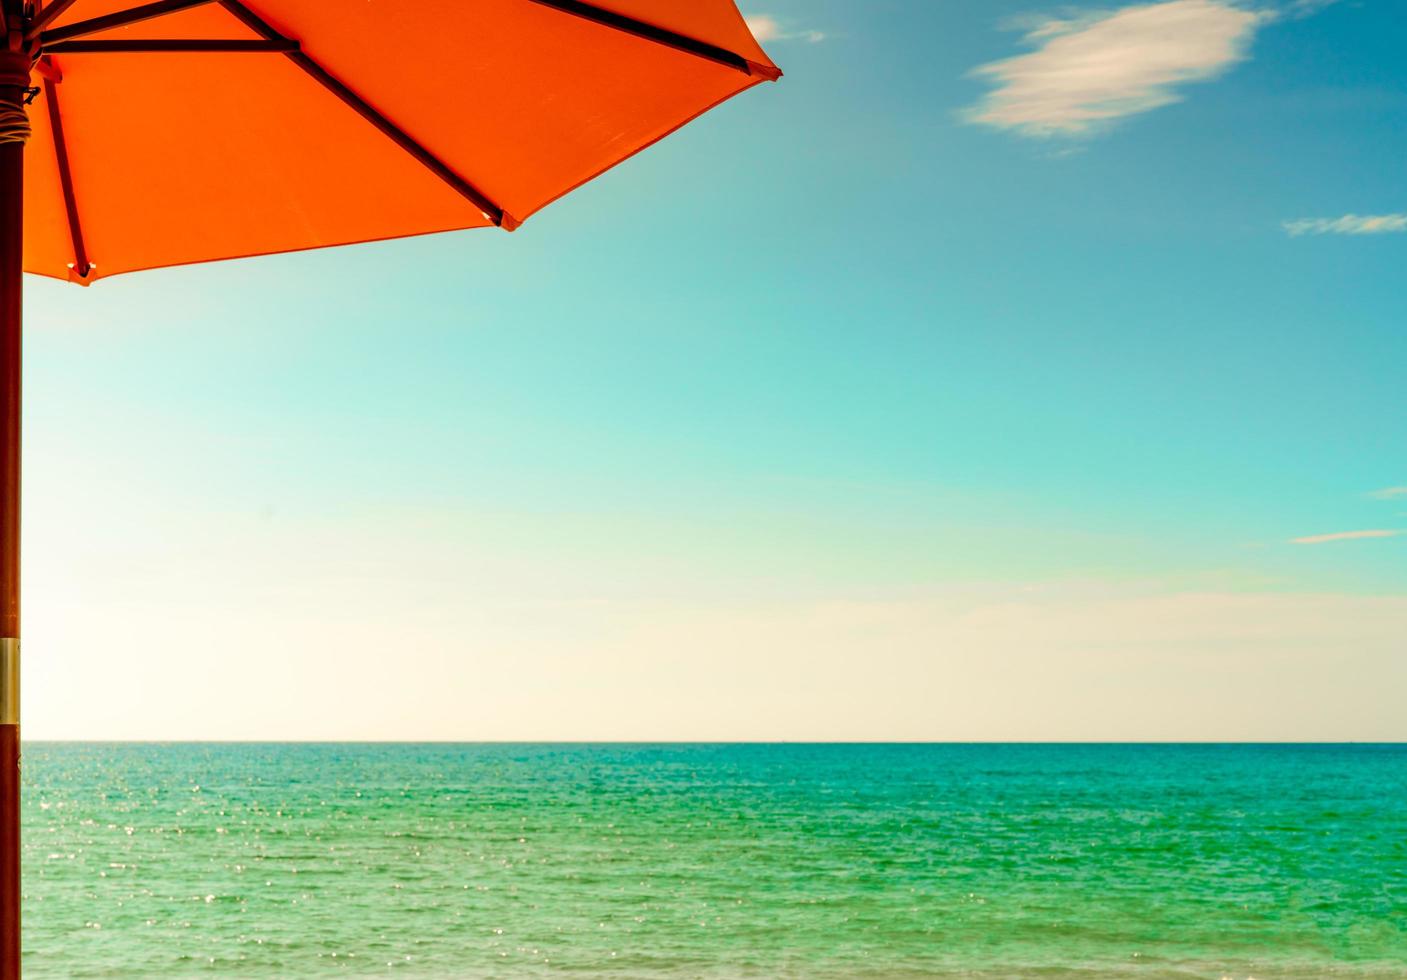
x: 188, y: 130
x: 139, y: 136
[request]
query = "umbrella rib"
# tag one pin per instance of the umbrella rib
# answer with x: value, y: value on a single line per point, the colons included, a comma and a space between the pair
x: 81, y: 265
x: 158, y: 46
x: 327, y: 80
x: 672, y: 39
x: 120, y: 19
x: 46, y: 16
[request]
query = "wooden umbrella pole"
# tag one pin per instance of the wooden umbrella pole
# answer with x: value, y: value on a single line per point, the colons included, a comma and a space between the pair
x: 14, y: 80
x: 11, y: 198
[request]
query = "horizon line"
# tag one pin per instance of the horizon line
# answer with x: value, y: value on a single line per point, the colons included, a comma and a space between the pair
x: 712, y: 742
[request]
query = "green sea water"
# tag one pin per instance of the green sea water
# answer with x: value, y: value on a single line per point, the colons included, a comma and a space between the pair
x: 716, y: 861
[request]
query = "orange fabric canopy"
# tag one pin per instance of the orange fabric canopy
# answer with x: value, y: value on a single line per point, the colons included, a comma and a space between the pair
x: 337, y: 121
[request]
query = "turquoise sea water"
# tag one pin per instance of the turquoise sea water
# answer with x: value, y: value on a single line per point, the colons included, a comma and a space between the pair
x: 716, y: 861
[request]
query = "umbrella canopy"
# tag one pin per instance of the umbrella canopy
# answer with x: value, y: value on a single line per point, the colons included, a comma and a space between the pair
x: 188, y: 130
x: 179, y: 131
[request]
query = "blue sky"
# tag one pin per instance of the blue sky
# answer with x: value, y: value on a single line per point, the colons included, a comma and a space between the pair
x: 948, y: 388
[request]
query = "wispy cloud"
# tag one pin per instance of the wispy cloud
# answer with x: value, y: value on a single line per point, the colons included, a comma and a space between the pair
x: 1304, y: 8
x: 1389, y: 493
x: 1091, y: 69
x: 1346, y: 536
x: 1349, y: 224
x: 766, y: 28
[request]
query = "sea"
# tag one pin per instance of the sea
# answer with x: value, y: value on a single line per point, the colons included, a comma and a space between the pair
x: 1056, y: 862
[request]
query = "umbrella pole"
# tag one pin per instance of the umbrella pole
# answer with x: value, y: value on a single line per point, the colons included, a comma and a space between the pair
x: 11, y: 245
x: 14, y: 78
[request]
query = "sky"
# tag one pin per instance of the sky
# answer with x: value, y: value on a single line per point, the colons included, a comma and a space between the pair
x: 1008, y: 370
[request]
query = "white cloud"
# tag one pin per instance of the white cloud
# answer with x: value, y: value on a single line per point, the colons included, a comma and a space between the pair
x: 1305, y: 8
x: 1346, y: 536
x: 763, y: 27
x: 1389, y: 493
x: 1090, y: 70
x: 766, y: 28
x: 1349, y: 224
